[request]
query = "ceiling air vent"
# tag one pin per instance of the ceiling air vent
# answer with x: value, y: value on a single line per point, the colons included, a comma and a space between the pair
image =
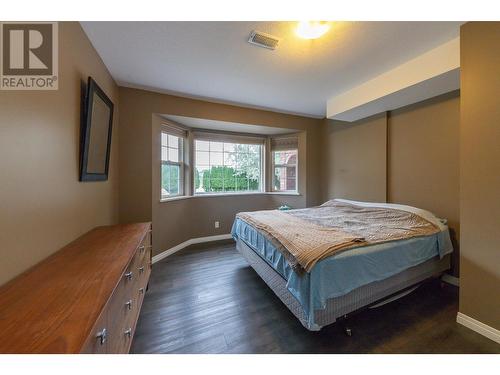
x: 263, y: 40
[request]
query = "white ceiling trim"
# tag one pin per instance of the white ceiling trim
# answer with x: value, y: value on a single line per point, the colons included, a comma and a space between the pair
x: 433, y: 73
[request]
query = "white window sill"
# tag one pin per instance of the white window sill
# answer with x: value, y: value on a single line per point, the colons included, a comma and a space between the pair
x: 202, y: 195
x: 208, y: 195
x: 284, y: 193
x: 176, y: 198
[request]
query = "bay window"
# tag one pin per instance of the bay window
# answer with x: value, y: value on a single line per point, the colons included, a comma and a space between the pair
x: 227, y: 166
x: 197, y: 162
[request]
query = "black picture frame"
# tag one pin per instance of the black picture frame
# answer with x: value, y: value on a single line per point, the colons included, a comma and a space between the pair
x: 86, y: 128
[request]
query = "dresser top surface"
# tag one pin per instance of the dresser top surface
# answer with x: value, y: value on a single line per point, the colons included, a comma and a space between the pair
x: 53, y: 306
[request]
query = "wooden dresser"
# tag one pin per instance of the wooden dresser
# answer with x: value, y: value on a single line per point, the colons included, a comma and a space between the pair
x: 85, y: 298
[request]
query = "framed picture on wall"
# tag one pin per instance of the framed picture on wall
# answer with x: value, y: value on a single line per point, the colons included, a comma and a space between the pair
x: 97, y: 124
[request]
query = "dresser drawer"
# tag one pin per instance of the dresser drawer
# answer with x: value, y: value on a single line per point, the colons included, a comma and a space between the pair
x: 143, y: 265
x: 124, y: 340
x: 98, y: 341
x: 143, y: 253
x: 124, y: 306
x: 121, y: 333
x: 122, y: 309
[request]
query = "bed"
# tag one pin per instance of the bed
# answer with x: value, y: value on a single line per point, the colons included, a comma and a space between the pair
x: 357, y: 276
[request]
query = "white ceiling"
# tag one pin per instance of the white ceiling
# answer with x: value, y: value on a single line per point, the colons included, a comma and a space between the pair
x: 212, y: 60
x: 200, y: 123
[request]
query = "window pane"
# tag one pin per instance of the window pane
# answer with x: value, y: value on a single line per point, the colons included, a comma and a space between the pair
x: 279, y: 157
x: 202, y: 179
x: 230, y: 159
x: 284, y: 178
x: 229, y: 176
x: 164, y: 154
x: 277, y: 177
x: 254, y: 184
x: 202, y: 158
x: 229, y: 147
x: 229, y: 172
x: 250, y: 164
x: 285, y: 157
x: 202, y: 145
x: 216, y: 158
x: 164, y: 139
x: 216, y: 179
x: 173, y: 141
x: 165, y: 175
x: 216, y: 185
x: 291, y: 157
x: 216, y: 146
x: 229, y: 185
x: 290, y: 184
x: 174, y: 172
x: 173, y: 154
x: 242, y: 148
x: 254, y: 148
x: 170, y: 181
x: 241, y: 183
x: 174, y: 186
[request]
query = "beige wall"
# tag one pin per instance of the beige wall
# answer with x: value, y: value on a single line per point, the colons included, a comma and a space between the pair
x: 423, y: 159
x: 480, y: 172
x: 177, y: 221
x: 43, y: 206
x: 355, y: 159
x: 409, y: 156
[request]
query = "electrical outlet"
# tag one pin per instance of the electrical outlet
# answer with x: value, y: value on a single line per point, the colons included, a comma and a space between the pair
x: 216, y: 224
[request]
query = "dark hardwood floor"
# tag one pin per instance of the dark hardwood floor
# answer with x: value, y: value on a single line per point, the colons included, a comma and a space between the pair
x: 208, y: 300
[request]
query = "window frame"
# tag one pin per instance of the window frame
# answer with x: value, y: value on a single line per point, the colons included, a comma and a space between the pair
x: 221, y: 138
x: 286, y: 165
x: 180, y: 163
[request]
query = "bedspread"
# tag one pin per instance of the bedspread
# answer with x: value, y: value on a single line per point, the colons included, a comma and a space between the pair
x: 305, y: 236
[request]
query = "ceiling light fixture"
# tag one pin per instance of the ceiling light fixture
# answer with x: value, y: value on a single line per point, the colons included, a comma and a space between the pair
x: 311, y: 29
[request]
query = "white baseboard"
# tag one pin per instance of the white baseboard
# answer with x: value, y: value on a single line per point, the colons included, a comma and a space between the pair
x: 477, y: 326
x: 447, y: 278
x: 189, y: 242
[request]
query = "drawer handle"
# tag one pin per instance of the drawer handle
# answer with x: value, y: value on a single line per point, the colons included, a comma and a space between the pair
x: 102, y: 336
x: 141, y: 269
x: 129, y: 304
x: 128, y: 275
x: 141, y: 290
x: 128, y: 333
